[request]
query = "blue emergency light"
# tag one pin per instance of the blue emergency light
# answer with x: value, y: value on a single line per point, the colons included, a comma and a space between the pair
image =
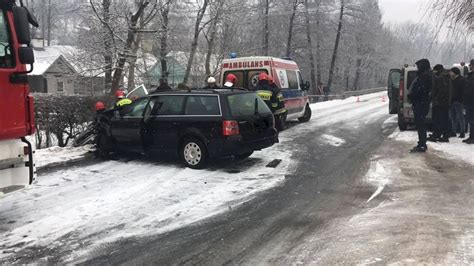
x: 233, y: 55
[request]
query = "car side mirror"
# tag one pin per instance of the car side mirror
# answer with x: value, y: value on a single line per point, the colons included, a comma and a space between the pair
x: 26, y: 55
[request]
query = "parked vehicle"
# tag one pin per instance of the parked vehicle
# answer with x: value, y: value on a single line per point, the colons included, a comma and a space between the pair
x: 195, y: 125
x: 399, y: 104
x: 286, y: 75
x: 17, y: 167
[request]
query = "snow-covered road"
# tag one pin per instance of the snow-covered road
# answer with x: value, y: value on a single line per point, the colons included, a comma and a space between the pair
x: 75, y: 210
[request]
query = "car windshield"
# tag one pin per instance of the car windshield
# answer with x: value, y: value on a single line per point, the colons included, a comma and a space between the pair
x: 247, y: 104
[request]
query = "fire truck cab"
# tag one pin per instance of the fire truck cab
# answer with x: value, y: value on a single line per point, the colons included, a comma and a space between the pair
x: 286, y: 75
x: 16, y: 110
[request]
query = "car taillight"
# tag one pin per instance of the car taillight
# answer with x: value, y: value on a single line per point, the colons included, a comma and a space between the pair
x: 402, y: 89
x: 230, y: 128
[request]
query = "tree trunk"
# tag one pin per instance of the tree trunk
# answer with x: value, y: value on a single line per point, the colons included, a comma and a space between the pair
x: 164, y: 39
x: 318, y: 42
x: 212, y: 37
x: 122, y: 57
x: 355, y: 86
x: 49, y: 22
x: 290, y: 28
x: 133, y: 56
x: 309, y: 41
x: 108, y: 52
x: 266, y: 33
x: 194, y: 44
x: 336, y: 46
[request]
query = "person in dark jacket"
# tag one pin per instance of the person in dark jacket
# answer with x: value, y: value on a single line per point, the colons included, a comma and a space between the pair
x: 440, y: 99
x: 163, y: 85
x: 419, y: 96
x: 469, y: 103
x: 456, y: 111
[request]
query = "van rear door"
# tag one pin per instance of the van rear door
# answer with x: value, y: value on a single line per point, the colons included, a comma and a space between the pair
x: 393, y: 90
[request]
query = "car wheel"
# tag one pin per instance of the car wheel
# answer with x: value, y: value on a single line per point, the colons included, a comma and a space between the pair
x: 280, y: 121
x: 307, y: 114
x: 194, y: 153
x: 243, y: 155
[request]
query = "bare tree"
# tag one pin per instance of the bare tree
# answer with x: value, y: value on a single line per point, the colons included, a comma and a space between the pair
x: 310, y: 48
x: 336, y: 44
x: 212, y: 32
x: 295, y: 4
x: 164, y: 31
x: 266, y: 30
x: 197, y: 30
x: 458, y: 11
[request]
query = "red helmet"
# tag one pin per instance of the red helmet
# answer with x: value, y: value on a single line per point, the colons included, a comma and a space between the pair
x: 230, y: 80
x: 99, y: 106
x: 119, y: 94
x: 263, y: 76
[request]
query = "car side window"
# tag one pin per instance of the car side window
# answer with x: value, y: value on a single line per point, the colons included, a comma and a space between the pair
x: 292, y: 79
x: 135, y: 109
x: 168, y: 105
x: 202, y: 105
x: 6, y: 55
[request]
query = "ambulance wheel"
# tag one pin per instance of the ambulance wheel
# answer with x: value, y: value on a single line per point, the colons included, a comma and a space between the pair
x: 280, y: 121
x: 402, y: 126
x: 307, y: 114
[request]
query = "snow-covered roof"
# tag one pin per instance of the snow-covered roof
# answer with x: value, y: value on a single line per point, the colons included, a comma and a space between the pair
x: 46, y: 56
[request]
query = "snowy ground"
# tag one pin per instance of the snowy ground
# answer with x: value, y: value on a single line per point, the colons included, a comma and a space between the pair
x: 454, y: 150
x: 91, y: 205
x: 57, y: 155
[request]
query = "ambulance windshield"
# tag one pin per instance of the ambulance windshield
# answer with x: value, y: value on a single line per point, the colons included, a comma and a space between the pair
x: 247, y: 79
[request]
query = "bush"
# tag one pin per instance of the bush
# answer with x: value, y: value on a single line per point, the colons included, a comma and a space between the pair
x: 59, y: 119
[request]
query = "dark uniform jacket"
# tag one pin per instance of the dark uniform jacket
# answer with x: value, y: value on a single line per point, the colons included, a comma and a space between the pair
x: 442, y: 89
x: 459, y: 85
x: 272, y: 96
x: 419, y: 95
x: 469, y: 91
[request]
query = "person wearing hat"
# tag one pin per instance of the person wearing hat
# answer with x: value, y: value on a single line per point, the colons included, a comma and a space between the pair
x: 440, y: 99
x: 231, y: 81
x: 456, y: 111
x: 273, y: 97
x: 121, y: 99
x: 211, y: 84
x: 163, y: 85
x: 469, y: 103
x: 419, y: 96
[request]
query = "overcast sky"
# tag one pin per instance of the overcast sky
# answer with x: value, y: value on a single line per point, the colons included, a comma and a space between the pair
x: 395, y: 11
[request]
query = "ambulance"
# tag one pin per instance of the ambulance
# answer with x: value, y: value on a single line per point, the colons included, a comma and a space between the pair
x: 286, y: 75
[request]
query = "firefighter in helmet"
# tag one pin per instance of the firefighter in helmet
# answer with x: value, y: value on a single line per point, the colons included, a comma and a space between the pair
x: 231, y: 81
x: 273, y: 97
x: 121, y: 100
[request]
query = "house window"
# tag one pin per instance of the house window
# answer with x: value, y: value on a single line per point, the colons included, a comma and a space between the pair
x: 60, y: 86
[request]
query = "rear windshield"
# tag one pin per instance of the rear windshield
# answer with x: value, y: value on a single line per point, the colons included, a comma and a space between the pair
x: 247, y: 104
x: 411, y: 77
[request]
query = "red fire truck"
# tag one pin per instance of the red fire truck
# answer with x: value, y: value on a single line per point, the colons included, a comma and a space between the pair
x: 17, y: 167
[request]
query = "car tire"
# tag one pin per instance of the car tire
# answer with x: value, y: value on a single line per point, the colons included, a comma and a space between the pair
x: 307, y: 115
x: 193, y: 153
x: 105, y: 145
x: 280, y: 121
x: 243, y: 155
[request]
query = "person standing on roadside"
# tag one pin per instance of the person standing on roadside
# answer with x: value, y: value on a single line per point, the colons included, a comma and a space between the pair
x: 456, y: 111
x: 469, y: 103
x: 440, y: 99
x: 419, y: 96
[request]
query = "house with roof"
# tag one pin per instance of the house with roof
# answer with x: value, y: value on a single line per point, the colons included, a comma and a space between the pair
x: 57, y: 71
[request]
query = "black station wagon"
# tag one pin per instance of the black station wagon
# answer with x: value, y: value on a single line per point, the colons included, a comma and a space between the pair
x: 196, y: 125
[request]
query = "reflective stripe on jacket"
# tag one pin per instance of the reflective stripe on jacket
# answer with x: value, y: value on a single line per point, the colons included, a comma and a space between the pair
x: 123, y: 102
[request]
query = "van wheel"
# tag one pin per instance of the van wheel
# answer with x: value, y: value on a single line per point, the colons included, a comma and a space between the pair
x: 243, y: 156
x: 280, y: 121
x: 307, y: 115
x: 402, y: 126
x: 193, y: 153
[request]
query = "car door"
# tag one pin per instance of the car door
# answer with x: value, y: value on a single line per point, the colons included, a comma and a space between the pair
x: 163, y: 124
x: 393, y: 90
x: 126, y: 126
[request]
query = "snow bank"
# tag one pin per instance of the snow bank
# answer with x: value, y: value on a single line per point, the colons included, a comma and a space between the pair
x: 55, y: 155
x: 454, y: 149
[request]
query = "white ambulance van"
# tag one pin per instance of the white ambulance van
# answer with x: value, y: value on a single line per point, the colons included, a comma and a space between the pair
x: 285, y: 74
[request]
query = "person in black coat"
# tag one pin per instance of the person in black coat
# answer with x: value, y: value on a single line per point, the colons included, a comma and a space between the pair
x: 440, y: 99
x: 419, y: 96
x: 469, y: 103
x: 456, y: 111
